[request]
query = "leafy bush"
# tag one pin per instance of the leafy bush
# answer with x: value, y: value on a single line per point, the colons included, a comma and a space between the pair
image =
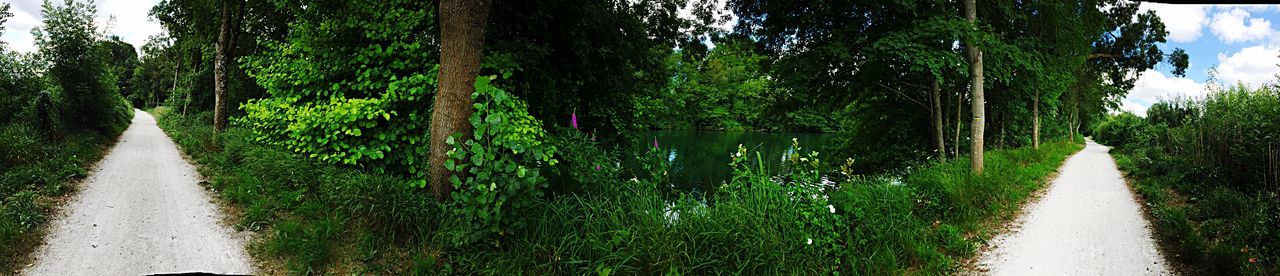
x: 500, y: 166
x: 1122, y: 131
x: 349, y: 85
x: 584, y: 163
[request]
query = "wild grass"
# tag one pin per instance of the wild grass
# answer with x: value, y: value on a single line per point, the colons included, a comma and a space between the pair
x: 1209, y: 171
x: 1207, y: 227
x: 321, y: 218
x: 34, y: 171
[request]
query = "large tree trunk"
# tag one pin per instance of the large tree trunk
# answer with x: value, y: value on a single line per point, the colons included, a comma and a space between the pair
x: 230, y: 26
x: 1035, y: 126
x: 938, y: 133
x: 462, y: 25
x: 975, y: 70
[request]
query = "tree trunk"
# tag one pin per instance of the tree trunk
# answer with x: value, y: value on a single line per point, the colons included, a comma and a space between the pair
x: 938, y: 133
x: 975, y: 70
x: 1073, y: 124
x: 177, y: 66
x: 959, y: 105
x: 230, y: 26
x: 462, y: 26
x: 1035, y: 126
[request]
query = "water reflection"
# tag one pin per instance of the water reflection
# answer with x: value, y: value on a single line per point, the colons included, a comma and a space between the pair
x: 700, y: 159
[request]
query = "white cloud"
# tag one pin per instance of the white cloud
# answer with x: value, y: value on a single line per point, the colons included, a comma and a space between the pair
x: 1251, y: 66
x: 1153, y: 86
x: 1185, y: 23
x: 131, y: 22
x: 1230, y: 26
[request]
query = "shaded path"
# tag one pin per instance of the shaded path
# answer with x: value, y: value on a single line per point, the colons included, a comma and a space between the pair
x: 1088, y: 223
x: 141, y: 211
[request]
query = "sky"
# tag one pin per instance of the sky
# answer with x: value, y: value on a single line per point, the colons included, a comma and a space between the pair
x: 1239, y: 40
x: 131, y: 22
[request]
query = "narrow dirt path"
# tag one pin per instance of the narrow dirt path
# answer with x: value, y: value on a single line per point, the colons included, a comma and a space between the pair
x: 141, y: 211
x: 1087, y: 224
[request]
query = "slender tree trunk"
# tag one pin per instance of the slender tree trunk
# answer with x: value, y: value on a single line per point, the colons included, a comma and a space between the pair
x: 230, y: 26
x: 177, y: 66
x: 1075, y: 117
x: 462, y: 26
x: 946, y: 126
x: 959, y: 105
x: 979, y: 112
x: 1035, y: 126
x: 938, y: 133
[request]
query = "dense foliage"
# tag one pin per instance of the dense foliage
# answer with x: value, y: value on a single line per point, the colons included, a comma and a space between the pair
x: 58, y: 107
x: 349, y: 86
x: 500, y: 166
x: 1210, y: 171
x: 761, y: 221
x: 78, y: 69
x: 331, y: 101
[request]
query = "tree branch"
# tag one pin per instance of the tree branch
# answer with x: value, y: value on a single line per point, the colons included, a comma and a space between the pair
x: 899, y: 92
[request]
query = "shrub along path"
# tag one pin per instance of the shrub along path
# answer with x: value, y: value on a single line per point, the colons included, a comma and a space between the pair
x: 1087, y: 224
x: 141, y: 211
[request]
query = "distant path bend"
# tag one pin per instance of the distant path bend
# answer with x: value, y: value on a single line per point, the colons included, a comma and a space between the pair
x: 1088, y: 223
x: 141, y: 211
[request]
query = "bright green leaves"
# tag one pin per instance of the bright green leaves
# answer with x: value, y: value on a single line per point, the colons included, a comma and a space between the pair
x: 350, y: 86
x: 497, y: 171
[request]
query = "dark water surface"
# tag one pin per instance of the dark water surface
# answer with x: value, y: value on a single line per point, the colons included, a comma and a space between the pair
x: 700, y: 159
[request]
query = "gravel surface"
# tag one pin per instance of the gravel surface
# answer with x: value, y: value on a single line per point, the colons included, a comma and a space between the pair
x: 1088, y: 223
x: 141, y: 211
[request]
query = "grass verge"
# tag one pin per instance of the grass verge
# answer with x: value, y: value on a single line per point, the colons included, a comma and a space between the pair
x: 35, y: 175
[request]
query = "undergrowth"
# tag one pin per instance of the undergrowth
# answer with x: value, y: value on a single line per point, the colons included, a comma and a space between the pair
x: 34, y: 171
x: 322, y: 218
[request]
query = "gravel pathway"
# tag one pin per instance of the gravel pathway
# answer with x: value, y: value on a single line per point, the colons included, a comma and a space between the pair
x: 141, y: 211
x: 1087, y: 224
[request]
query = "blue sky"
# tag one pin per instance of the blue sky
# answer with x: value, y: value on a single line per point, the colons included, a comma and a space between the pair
x: 1239, y: 40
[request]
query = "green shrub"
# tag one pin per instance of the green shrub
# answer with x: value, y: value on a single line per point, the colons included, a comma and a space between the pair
x: 1122, y: 131
x: 500, y: 165
x: 78, y: 70
x: 584, y: 165
x: 350, y: 86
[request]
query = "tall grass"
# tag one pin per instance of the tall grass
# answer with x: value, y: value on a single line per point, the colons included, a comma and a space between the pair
x: 1209, y: 173
x: 320, y: 218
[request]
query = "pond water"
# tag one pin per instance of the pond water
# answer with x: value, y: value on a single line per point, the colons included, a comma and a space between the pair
x: 700, y: 159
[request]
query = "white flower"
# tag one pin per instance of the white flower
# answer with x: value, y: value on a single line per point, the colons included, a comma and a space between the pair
x: 832, y: 208
x: 809, y: 241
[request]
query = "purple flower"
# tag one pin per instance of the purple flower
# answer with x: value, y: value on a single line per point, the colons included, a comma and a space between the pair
x: 655, y: 143
x: 597, y: 167
x: 573, y: 120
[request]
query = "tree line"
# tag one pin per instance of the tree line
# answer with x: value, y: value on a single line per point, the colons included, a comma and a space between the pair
x: 901, y: 80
